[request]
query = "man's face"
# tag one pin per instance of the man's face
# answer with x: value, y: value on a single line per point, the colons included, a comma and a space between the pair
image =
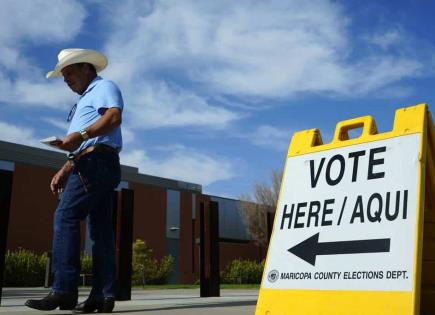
x: 76, y: 76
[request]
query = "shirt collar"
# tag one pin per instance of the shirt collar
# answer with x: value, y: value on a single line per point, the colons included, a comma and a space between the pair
x: 92, y: 85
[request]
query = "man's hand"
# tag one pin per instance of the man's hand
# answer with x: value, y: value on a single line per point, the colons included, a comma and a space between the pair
x: 71, y: 142
x: 59, y: 180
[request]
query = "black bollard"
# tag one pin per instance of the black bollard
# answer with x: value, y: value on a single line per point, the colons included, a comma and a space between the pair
x: 214, y: 249
x: 5, y: 204
x: 209, y: 250
x: 125, y: 245
x: 203, y: 278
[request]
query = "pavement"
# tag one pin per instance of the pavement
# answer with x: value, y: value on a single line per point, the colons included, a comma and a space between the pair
x: 149, y: 302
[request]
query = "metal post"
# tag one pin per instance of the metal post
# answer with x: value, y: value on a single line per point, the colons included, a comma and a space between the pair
x: 209, y: 250
x: 125, y: 242
x: 214, y: 249
x: 5, y: 204
x: 203, y: 279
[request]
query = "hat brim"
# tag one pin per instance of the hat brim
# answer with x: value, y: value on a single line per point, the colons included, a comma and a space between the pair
x: 98, y: 60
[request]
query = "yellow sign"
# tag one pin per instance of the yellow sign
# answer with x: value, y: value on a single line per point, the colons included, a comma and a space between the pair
x: 348, y: 230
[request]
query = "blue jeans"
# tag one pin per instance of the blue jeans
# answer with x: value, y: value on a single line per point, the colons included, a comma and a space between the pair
x: 101, y: 173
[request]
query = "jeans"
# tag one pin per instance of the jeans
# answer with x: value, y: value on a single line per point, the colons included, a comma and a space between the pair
x: 100, y: 172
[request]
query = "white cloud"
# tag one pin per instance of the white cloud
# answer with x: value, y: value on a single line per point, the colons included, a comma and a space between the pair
x: 270, y: 137
x: 155, y: 104
x: 55, y: 95
x: 128, y: 135
x: 40, y: 20
x: 17, y: 134
x: 58, y: 123
x: 385, y: 39
x: 22, y: 135
x: 245, y: 48
x: 35, y: 22
x: 182, y: 164
x: 379, y: 71
x: 27, y: 23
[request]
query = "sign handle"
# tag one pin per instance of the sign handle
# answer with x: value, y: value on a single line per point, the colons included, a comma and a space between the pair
x: 367, y: 123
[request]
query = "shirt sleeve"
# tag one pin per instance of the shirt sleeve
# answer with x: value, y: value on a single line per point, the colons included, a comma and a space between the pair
x: 109, y: 96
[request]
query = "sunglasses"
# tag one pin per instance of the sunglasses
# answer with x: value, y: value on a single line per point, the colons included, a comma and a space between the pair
x: 71, y: 113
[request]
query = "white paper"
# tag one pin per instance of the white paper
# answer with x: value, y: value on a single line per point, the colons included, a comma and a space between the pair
x: 50, y: 139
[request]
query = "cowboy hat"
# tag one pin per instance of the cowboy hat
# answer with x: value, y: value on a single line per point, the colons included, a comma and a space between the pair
x: 71, y: 56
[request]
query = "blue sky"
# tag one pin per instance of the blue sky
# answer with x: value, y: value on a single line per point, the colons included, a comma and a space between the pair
x: 214, y: 90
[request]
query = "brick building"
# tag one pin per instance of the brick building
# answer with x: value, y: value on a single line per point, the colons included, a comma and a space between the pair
x: 166, y: 212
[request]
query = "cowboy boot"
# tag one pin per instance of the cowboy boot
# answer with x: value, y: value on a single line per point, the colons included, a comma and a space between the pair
x: 102, y: 305
x: 65, y: 301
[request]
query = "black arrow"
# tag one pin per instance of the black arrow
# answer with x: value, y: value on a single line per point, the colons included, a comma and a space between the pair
x: 310, y: 248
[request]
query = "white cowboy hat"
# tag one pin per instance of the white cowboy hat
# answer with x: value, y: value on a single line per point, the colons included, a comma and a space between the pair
x: 71, y: 56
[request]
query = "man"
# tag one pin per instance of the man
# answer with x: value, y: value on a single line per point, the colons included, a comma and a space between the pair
x: 85, y: 184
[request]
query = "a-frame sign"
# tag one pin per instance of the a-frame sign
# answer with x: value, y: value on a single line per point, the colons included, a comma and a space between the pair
x: 352, y: 219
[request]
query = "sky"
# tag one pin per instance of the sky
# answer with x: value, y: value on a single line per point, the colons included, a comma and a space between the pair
x: 214, y: 90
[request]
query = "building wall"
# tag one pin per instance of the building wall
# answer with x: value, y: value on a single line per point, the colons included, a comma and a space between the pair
x: 149, y: 221
x: 32, y: 208
x: 231, y: 251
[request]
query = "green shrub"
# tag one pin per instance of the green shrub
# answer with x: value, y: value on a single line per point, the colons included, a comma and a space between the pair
x: 243, y: 271
x: 86, y: 264
x: 24, y: 268
x: 147, y: 269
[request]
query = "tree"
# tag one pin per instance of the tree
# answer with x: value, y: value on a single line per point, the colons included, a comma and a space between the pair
x: 255, y: 209
x: 267, y: 193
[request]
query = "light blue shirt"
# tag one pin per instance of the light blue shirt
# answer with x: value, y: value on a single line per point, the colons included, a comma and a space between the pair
x: 99, y: 96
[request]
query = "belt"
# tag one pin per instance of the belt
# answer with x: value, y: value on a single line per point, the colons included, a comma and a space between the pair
x: 104, y: 148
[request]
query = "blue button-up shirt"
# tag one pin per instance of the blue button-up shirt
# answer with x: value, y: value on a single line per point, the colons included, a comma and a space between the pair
x: 99, y: 96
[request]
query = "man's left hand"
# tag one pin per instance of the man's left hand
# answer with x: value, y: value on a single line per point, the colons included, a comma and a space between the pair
x: 71, y: 142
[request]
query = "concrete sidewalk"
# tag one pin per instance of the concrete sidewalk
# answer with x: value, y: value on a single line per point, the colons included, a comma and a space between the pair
x: 149, y: 302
